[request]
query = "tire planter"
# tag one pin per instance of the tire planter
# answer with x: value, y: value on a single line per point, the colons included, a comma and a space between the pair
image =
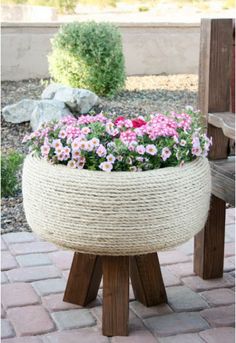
x: 117, y: 213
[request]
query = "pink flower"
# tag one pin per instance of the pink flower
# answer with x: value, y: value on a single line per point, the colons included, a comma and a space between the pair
x: 75, y: 144
x: 90, y: 146
x: 106, y: 166
x: 66, y: 150
x: 165, y: 153
x: 66, y: 157
x: 119, y: 120
x: 60, y: 156
x: 95, y: 141
x: 140, y: 149
x: 45, y: 150
x: 57, y: 143
x: 151, y: 149
x: 196, y: 142
x: 76, y: 154
x: 62, y: 134
x: 86, y: 130
x: 128, y: 136
x: 101, y: 151
x: 71, y: 164
x: 128, y: 123
x: 138, y: 122
x: 197, y: 151
x: 83, y: 145
x: 111, y: 158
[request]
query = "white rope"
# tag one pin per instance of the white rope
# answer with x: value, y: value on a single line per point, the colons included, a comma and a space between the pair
x: 116, y: 213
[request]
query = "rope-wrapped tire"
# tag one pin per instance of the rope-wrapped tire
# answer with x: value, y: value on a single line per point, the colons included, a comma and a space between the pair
x: 116, y: 213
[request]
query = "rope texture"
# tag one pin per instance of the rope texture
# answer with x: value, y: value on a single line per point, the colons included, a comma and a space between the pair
x: 117, y: 213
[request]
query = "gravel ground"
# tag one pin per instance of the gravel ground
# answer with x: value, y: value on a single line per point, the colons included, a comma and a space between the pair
x: 142, y: 95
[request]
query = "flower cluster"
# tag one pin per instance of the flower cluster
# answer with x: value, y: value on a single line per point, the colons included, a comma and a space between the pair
x: 100, y: 143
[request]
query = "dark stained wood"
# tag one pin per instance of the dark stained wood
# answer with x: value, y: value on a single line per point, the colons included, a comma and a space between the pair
x: 223, y: 179
x: 84, y: 279
x: 115, y: 295
x: 209, y: 243
x: 220, y: 147
x: 215, y: 65
x: 214, y: 96
x: 220, y: 65
x: 147, y: 280
x: 224, y: 121
x: 232, y: 89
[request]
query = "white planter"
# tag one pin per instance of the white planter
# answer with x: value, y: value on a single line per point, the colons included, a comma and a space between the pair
x: 116, y: 213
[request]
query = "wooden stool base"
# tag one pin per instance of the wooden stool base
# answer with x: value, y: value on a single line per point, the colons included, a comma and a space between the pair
x: 85, y: 278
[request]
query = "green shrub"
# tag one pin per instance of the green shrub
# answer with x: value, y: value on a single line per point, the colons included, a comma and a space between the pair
x: 88, y: 55
x: 228, y: 4
x: 143, y: 9
x: 10, y: 164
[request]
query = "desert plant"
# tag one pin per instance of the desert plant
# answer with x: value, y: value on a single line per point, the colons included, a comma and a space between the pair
x: 88, y: 55
x: 10, y: 164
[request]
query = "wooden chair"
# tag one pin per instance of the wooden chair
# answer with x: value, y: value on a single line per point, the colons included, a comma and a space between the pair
x: 216, y: 102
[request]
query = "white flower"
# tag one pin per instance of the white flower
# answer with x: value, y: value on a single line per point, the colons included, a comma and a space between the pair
x: 95, y: 141
x: 182, y: 142
x: 71, y: 164
x: 133, y: 169
x: 151, y: 149
x: 86, y: 130
x: 140, y: 149
x: 101, y: 151
x: 111, y: 158
x: 189, y: 108
x: 106, y: 166
x: 165, y: 153
x: 197, y: 151
x: 119, y: 158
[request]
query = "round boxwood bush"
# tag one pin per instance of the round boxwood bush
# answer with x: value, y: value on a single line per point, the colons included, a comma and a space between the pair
x: 88, y: 55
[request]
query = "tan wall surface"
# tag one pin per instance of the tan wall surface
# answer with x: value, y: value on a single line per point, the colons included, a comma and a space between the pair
x: 170, y: 48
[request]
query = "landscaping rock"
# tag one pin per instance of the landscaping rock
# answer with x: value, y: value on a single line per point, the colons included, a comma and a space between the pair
x: 47, y: 110
x: 78, y: 100
x: 19, y: 112
x: 50, y: 91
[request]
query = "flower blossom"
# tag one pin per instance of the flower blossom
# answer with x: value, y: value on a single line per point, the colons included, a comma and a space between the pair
x: 111, y: 158
x: 165, y: 153
x: 140, y: 149
x: 106, y: 166
x: 151, y: 149
x: 101, y: 151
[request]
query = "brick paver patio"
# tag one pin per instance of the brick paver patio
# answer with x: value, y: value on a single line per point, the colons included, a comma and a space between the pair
x: 34, y: 275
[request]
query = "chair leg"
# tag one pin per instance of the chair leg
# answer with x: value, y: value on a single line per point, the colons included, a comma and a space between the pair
x: 115, y: 295
x: 84, y: 279
x: 209, y: 243
x: 147, y: 279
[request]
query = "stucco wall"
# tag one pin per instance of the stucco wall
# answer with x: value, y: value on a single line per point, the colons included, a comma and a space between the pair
x: 148, y: 49
x: 27, y: 13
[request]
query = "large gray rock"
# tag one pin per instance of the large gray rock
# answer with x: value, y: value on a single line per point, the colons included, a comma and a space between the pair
x: 78, y: 100
x: 19, y: 112
x: 47, y: 110
x: 50, y: 91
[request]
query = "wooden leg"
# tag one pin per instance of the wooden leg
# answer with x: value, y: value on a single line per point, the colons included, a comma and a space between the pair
x: 147, y: 280
x: 115, y: 295
x: 84, y: 279
x: 209, y: 243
